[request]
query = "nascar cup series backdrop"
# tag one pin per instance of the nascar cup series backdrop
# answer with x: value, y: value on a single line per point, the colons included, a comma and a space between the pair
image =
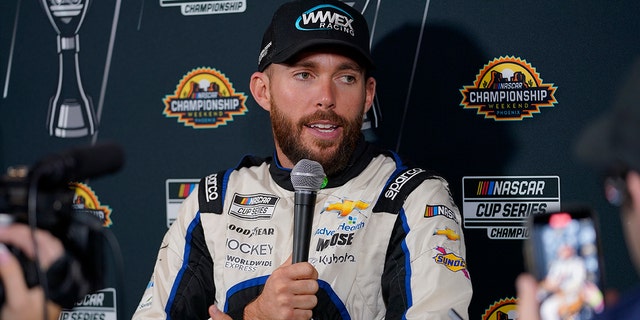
x: 491, y: 94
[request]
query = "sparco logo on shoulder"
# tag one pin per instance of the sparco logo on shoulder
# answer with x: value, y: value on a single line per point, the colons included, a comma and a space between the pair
x: 396, y: 185
x: 211, y: 184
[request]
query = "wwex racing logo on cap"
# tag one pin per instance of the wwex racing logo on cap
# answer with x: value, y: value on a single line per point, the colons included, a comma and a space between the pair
x: 325, y: 17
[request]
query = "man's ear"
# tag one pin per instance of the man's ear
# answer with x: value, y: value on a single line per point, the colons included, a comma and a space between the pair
x: 259, y: 86
x: 370, y: 93
x: 633, y: 187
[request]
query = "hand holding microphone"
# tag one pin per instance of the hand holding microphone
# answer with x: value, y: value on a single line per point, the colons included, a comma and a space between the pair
x: 290, y: 291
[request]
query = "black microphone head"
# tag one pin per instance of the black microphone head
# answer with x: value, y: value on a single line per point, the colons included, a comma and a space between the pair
x: 79, y: 163
x: 307, y: 175
x: 97, y: 160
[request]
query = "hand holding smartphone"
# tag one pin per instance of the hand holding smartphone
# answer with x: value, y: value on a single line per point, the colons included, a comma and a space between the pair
x: 563, y: 253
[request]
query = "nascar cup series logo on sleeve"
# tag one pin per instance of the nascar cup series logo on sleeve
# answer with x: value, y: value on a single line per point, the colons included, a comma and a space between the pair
x: 508, y: 88
x: 204, y: 99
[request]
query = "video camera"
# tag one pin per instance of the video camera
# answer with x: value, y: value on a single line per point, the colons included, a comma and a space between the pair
x: 41, y: 197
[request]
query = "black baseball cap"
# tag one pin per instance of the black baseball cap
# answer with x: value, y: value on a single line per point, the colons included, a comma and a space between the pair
x: 300, y: 25
x: 614, y: 139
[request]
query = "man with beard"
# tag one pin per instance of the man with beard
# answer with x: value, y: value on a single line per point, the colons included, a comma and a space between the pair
x: 374, y: 250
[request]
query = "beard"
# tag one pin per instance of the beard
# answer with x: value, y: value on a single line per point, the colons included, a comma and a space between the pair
x: 333, y: 155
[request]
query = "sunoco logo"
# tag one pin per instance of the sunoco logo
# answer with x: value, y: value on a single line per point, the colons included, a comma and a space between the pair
x: 508, y: 89
x: 204, y: 99
x: 451, y: 261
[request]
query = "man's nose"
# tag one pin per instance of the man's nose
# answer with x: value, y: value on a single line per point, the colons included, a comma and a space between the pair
x: 326, y: 95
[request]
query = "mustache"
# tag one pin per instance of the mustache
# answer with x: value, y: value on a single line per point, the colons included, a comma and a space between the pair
x: 330, y: 116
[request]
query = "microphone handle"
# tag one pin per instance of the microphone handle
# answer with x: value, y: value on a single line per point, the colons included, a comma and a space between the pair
x: 302, y: 223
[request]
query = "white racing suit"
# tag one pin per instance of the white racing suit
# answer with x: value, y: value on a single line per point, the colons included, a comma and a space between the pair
x: 386, y: 241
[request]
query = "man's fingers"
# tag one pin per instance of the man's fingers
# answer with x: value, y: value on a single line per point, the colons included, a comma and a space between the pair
x: 287, y: 262
x: 305, y: 287
x: 216, y: 314
x: 303, y: 270
x: 304, y: 302
x: 19, y: 235
x: 302, y: 314
x: 12, y: 276
x: 526, y: 286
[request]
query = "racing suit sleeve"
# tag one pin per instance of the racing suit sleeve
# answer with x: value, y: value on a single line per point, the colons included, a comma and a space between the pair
x: 425, y: 272
x: 181, y: 286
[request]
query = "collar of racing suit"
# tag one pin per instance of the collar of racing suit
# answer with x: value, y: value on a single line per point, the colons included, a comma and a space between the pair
x: 359, y: 160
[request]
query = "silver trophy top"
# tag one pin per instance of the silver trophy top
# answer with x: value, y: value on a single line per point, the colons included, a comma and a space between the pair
x: 66, y: 16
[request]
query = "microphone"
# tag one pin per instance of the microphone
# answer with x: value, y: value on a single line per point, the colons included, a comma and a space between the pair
x: 78, y: 164
x: 307, y: 177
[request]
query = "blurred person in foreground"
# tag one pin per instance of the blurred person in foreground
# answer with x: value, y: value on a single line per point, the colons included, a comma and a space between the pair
x: 21, y: 302
x: 386, y: 241
x: 611, y: 145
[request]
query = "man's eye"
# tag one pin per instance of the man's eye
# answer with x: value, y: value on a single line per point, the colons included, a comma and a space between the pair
x: 303, y: 75
x: 349, y: 79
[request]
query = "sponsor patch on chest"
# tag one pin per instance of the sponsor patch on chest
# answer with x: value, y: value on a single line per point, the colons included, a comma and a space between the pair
x: 253, y: 207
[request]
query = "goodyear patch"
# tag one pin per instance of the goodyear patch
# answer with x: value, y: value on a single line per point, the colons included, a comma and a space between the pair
x: 505, y: 309
x: 86, y: 201
x: 508, y: 88
x: 204, y: 99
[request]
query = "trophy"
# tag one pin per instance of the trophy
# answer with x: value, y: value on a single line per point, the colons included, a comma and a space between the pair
x: 71, y: 113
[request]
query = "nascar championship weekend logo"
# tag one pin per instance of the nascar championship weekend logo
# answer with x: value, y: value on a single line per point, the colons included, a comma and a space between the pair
x: 508, y: 88
x: 205, y: 98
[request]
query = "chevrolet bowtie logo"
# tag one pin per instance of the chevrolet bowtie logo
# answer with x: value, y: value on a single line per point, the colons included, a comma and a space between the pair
x: 450, y: 234
x: 347, y: 206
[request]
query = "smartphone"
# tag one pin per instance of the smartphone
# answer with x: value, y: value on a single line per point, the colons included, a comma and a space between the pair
x: 563, y: 252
